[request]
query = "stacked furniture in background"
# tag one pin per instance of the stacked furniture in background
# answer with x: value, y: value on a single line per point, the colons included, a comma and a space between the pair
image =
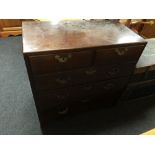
x: 142, y: 83
x: 11, y: 27
x: 144, y: 27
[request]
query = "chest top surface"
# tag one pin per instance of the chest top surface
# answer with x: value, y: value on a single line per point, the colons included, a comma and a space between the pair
x: 47, y: 36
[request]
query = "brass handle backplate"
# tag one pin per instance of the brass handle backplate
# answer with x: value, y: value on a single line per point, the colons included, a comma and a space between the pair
x: 109, y: 86
x: 63, y: 59
x: 114, y: 71
x: 88, y: 88
x: 121, y: 52
x: 91, y: 72
x: 63, y: 111
x: 85, y: 100
x: 62, y: 81
x: 60, y: 97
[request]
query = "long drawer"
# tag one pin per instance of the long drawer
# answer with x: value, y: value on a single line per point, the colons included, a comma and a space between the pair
x: 81, y: 94
x: 96, y: 90
x: 87, y: 75
x: 107, y: 100
x: 118, y: 55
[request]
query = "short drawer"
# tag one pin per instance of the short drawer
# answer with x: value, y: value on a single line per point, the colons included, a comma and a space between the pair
x: 114, y: 71
x: 81, y: 76
x: 44, y: 64
x: 118, y: 55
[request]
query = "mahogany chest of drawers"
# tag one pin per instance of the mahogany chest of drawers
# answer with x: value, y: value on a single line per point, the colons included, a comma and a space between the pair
x: 78, y: 65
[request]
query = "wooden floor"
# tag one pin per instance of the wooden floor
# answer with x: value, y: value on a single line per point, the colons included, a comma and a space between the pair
x: 150, y: 132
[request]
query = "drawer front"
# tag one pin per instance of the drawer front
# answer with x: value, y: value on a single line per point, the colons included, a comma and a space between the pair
x: 110, y: 86
x: 82, y: 93
x: 114, y: 71
x: 47, y: 100
x: 99, y: 88
x: 118, y: 55
x: 76, y: 106
x: 59, y: 80
x: 72, y: 78
x: 80, y: 98
x: 59, y: 62
x: 94, y: 103
x: 83, y: 104
x: 63, y: 96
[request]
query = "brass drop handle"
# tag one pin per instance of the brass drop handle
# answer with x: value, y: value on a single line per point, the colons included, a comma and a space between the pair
x: 63, y: 59
x: 88, y: 88
x: 85, y: 100
x: 60, y: 97
x: 121, y: 52
x: 62, y: 81
x: 63, y: 111
x: 109, y: 86
x: 91, y: 71
x: 142, y: 22
x: 114, y: 71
